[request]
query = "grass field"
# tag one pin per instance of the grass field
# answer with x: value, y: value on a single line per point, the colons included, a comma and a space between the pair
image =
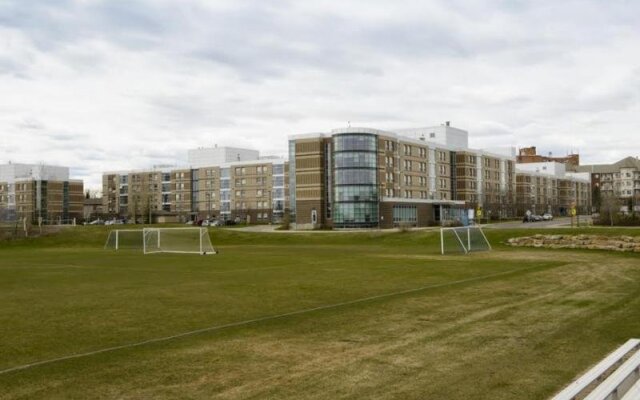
x: 334, y: 315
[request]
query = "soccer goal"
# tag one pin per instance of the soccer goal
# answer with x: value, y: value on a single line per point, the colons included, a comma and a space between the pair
x: 124, y: 239
x: 463, y: 239
x: 177, y: 240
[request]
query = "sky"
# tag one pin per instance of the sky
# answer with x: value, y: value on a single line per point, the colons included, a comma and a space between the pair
x: 112, y: 85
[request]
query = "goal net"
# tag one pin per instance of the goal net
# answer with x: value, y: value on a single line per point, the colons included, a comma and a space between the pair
x: 177, y: 240
x: 463, y: 240
x: 124, y: 239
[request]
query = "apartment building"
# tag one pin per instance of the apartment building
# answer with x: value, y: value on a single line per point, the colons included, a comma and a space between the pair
x: 547, y: 187
x: 485, y: 181
x: 40, y: 193
x: 619, y: 180
x: 253, y: 190
x: 363, y: 177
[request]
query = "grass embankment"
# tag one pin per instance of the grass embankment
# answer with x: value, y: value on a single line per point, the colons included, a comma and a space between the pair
x: 513, y: 323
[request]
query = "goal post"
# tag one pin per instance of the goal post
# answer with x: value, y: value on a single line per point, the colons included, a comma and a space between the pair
x: 177, y: 240
x: 161, y: 240
x: 463, y: 240
x: 119, y: 239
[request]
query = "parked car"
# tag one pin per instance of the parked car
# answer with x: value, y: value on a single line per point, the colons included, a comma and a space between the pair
x: 536, y: 218
x: 97, y: 222
x: 189, y: 222
x: 547, y: 217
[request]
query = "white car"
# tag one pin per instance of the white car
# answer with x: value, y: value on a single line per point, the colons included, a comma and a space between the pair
x: 547, y: 217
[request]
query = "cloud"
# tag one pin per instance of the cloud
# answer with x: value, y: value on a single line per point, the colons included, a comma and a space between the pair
x: 110, y: 85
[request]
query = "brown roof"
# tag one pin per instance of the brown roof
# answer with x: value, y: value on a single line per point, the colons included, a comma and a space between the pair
x: 629, y: 162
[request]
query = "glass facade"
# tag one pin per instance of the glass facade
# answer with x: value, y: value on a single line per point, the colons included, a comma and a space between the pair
x: 356, y: 184
x: 405, y: 214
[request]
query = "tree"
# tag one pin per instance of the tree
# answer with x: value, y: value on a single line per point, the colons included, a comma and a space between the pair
x: 609, y: 210
x: 596, y: 198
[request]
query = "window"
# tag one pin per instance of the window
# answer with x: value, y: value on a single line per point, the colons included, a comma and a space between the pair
x: 408, y: 179
x: 354, y: 142
x: 407, y: 150
x: 259, y: 193
x: 405, y: 214
x: 354, y: 160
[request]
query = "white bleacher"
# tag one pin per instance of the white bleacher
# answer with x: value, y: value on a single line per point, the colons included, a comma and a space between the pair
x: 633, y: 393
x: 611, y: 379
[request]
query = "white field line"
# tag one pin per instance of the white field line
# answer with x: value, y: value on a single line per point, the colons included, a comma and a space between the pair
x: 43, y: 265
x: 262, y: 319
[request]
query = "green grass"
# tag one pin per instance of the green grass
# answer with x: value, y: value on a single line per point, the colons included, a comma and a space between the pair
x: 512, y: 323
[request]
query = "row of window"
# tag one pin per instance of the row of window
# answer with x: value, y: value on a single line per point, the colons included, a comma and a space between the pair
x: 356, y: 176
x: 355, y: 142
x: 420, y: 180
x: 260, y: 205
x: 355, y: 214
x: 408, y: 194
x: 260, y: 169
x: 356, y: 193
x: 355, y: 160
x: 241, y: 193
x: 403, y: 213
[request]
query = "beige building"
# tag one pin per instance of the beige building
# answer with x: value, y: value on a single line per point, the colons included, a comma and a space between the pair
x: 620, y: 180
x: 547, y: 187
x: 363, y: 177
x: 40, y: 193
x: 253, y: 190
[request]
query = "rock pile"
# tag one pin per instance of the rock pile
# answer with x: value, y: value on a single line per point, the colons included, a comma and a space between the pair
x: 592, y: 242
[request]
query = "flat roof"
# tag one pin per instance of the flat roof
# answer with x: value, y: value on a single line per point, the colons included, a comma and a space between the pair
x: 400, y: 136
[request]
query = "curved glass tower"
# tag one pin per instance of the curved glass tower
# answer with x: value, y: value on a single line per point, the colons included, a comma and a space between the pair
x: 355, y: 165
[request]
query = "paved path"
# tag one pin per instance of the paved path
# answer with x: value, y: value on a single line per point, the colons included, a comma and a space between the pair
x: 274, y: 229
x: 563, y: 222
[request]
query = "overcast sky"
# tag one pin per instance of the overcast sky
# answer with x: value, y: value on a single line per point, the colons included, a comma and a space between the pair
x: 104, y: 85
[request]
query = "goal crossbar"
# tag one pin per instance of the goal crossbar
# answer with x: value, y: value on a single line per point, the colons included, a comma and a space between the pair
x: 177, y: 240
x: 162, y: 240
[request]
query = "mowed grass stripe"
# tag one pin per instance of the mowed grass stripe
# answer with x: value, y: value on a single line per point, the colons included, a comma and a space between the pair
x: 278, y: 316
